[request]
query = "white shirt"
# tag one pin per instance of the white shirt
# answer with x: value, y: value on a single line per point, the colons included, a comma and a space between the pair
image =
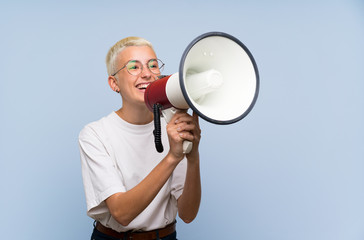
x: 115, y: 157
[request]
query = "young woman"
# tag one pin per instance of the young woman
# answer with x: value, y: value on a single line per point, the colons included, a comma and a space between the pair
x: 132, y: 191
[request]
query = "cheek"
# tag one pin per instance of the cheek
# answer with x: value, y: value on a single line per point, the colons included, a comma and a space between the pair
x: 127, y: 81
x: 128, y: 86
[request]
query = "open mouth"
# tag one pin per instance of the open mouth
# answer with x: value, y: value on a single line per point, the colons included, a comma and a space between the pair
x: 142, y: 86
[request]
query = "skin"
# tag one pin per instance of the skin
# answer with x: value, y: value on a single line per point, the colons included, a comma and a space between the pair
x: 125, y: 206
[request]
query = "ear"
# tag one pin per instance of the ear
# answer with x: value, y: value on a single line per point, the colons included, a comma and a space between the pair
x: 113, y: 83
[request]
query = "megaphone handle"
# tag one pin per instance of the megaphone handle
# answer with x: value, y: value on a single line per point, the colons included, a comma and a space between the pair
x: 168, y: 114
x: 187, y: 146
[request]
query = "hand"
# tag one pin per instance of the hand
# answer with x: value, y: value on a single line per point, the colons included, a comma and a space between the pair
x: 184, y: 127
x: 196, y: 132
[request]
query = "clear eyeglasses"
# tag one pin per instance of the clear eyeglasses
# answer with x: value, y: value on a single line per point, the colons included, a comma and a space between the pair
x: 135, y: 67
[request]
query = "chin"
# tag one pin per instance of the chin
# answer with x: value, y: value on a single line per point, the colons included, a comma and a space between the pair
x: 141, y: 102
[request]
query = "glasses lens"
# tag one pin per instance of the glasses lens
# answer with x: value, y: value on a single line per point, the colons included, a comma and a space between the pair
x: 134, y: 67
x: 155, y: 66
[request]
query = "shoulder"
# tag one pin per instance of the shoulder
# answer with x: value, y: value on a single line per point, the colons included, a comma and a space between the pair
x: 95, y: 128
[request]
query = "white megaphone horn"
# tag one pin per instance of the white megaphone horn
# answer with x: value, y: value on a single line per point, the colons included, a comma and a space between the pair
x: 218, y: 78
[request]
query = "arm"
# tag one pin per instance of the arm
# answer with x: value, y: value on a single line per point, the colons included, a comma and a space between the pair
x: 125, y: 206
x: 189, y: 201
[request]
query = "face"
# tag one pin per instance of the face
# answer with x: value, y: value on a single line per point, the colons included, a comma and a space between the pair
x: 132, y: 87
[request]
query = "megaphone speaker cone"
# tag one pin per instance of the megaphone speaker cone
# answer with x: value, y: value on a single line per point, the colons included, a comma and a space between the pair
x: 219, y: 78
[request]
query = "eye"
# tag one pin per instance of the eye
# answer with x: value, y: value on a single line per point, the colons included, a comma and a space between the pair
x: 153, y: 64
x: 133, y: 65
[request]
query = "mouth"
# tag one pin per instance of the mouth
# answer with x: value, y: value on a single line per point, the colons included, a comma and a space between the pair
x: 142, y: 86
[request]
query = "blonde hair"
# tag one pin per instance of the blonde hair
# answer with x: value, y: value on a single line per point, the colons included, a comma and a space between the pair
x: 111, y: 57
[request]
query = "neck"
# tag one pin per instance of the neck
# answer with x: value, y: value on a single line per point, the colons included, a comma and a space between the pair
x: 135, y: 114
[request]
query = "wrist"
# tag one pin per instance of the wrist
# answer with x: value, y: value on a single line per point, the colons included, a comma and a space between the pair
x: 193, y: 157
x: 173, y: 158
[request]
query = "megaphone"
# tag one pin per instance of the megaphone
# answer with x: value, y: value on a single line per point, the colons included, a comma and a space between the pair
x: 218, y: 79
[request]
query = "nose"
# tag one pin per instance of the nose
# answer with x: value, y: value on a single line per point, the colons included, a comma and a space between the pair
x: 146, y: 73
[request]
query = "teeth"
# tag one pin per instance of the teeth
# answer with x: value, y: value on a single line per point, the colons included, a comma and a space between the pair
x: 142, y: 85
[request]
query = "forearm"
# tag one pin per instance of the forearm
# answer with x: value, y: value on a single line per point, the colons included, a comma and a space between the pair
x: 189, y: 201
x: 126, y: 206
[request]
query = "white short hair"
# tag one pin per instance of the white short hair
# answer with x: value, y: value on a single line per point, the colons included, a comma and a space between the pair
x: 111, y: 57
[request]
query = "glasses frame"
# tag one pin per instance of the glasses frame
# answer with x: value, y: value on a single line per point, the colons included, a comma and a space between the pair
x: 160, y: 68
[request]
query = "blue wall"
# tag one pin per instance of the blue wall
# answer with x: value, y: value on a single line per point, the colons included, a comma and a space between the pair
x: 292, y: 169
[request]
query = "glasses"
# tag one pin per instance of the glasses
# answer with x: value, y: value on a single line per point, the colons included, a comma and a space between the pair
x: 135, y: 67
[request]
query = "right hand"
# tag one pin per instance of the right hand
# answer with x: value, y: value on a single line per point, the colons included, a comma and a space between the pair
x: 179, y: 129
x: 175, y: 136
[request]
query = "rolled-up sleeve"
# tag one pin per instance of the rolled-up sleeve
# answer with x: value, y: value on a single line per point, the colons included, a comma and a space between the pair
x: 99, y: 172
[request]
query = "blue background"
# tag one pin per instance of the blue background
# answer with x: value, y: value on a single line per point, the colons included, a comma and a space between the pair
x: 292, y: 169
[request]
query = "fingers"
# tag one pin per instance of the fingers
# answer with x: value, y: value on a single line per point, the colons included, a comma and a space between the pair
x: 182, y: 117
x: 187, y: 136
x: 188, y: 126
x: 183, y: 127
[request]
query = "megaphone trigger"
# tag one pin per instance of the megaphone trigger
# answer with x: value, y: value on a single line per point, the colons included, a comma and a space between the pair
x: 168, y: 113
